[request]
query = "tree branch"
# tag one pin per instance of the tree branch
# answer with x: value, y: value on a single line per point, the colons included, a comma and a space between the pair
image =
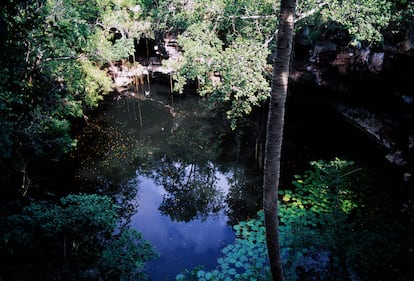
x: 298, y: 17
x: 252, y: 17
x: 78, y: 57
x: 311, y: 12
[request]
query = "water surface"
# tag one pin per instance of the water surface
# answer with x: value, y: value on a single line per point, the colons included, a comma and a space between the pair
x: 182, y: 245
x: 163, y: 160
x: 183, y: 180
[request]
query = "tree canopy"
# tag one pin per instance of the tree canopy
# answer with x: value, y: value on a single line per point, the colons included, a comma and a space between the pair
x: 53, y: 58
x: 55, y: 53
x: 221, y: 33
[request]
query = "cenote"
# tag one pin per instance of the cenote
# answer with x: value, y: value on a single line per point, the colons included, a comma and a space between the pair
x: 166, y: 162
x: 183, y: 179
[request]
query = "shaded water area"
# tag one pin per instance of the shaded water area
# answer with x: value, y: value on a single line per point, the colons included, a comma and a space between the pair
x: 183, y: 179
x: 176, y: 172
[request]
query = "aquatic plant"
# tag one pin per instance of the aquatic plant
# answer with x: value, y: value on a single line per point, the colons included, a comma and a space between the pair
x: 324, y: 235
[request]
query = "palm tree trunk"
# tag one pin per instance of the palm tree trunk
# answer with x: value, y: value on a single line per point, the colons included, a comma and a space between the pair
x: 274, y: 134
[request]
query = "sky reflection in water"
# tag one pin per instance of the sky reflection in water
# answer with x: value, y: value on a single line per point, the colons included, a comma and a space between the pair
x: 185, y: 195
x: 181, y: 245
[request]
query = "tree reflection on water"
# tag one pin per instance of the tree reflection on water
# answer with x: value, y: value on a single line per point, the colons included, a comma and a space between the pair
x: 179, y: 159
x: 188, y: 176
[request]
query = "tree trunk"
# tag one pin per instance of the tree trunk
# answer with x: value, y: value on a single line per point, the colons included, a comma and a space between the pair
x: 274, y: 133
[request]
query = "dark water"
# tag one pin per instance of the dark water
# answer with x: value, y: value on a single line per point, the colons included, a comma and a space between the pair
x: 163, y: 160
x: 183, y: 181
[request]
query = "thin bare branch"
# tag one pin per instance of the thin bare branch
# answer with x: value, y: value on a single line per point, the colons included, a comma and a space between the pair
x: 311, y: 12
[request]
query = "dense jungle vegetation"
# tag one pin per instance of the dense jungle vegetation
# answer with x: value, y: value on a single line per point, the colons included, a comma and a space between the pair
x: 55, y: 56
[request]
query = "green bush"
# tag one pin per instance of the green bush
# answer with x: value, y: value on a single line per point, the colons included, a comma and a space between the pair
x: 76, y: 239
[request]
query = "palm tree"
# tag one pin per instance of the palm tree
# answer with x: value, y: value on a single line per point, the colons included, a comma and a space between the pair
x: 274, y: 134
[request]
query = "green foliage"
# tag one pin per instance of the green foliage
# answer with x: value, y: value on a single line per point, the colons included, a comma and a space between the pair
x: 364, y: 20
x: 325, y: 228
x: 243, y: 82
x: 182, y: 14
x: 323, y: 234
x: 78, y: 235
x: 233, y: 78
x: 53, y: 57
x: 201, y: 53
x: 250, y: 20
x: 54, y: 52
x: 122, y: 48
x: 313, y: 220
x: 226, y: 43
x: 224, y: 52
x: 126, y: 256
x: 231, y: 19
x: 95, y: 82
